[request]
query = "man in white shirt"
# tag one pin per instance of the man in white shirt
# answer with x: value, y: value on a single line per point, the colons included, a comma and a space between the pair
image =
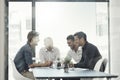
x: 75, y: 52
x: 49, y: 52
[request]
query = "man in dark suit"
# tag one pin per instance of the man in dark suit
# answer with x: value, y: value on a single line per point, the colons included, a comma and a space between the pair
x: 90, y: 53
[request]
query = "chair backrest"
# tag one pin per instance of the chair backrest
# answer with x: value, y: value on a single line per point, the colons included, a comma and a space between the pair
x: 16, y: 74
x: 101, y: 65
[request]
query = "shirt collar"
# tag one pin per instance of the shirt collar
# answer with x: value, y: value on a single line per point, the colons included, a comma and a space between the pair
x: 29, y: 44
x: 85, y: 45
x: 49, y: 51
x: 79, y: 49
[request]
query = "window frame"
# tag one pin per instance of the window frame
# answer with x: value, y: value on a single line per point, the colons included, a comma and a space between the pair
x: 33, y: 25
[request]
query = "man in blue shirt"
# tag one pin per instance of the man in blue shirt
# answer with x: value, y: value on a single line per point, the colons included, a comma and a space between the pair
x: 23, y: 59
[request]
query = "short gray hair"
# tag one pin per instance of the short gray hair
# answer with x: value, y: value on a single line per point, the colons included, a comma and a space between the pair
x: 48, y: 42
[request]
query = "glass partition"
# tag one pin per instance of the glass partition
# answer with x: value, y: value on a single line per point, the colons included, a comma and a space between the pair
x: 20, y: 23
x: 60, y: 19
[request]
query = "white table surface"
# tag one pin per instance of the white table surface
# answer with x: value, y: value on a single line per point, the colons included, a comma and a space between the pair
x: 46, y: 72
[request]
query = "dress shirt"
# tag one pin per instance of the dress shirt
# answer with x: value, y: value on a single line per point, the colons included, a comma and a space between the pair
x: 90, y: 55
x: 76, y: 56
x: 46, y: 55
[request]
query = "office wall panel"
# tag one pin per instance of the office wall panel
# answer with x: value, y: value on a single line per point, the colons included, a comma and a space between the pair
x: 1, y: 39
x: 115, y: 36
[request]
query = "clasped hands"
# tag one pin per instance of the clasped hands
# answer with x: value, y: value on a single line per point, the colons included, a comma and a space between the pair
x: 45, y: 64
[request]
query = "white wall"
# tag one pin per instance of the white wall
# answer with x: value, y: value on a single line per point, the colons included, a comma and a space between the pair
x: 1, y: 39
x: 115, y: 36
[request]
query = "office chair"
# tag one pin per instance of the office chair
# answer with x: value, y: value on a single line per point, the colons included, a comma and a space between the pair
x: 103, y: 65
x: 100, y: 66
x: 16, y: 74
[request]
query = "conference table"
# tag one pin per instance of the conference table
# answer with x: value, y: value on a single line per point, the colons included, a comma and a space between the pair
x: 51, y: 73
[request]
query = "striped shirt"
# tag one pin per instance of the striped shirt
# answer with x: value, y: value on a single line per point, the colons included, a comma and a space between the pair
x: 46, y: 55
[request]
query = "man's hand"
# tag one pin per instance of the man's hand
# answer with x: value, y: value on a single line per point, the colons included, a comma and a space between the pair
x: 71, y: 65
x: 48, y: 63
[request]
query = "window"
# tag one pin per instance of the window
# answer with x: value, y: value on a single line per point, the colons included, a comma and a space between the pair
x: 58, y: 20
x: 20, y: 23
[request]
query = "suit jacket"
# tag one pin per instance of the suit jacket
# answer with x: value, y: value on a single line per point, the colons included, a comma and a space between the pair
x: 90, y: 55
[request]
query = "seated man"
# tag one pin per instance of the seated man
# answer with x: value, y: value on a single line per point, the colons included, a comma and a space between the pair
x: 23, y: 59
x: 90, y: 53
x: 75, y: 52
x: 49, y: 52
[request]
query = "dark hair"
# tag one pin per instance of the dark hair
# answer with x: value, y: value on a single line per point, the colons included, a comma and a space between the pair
x: 81, y: 35
x: 31, y: 34
x: 70, y: 37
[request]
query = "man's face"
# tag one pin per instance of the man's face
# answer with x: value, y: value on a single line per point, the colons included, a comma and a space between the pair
x: 70, y: 43
x: 35, y: 40
x: 78, y: 41
x: 76, y: 45
x: 49, y: 48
